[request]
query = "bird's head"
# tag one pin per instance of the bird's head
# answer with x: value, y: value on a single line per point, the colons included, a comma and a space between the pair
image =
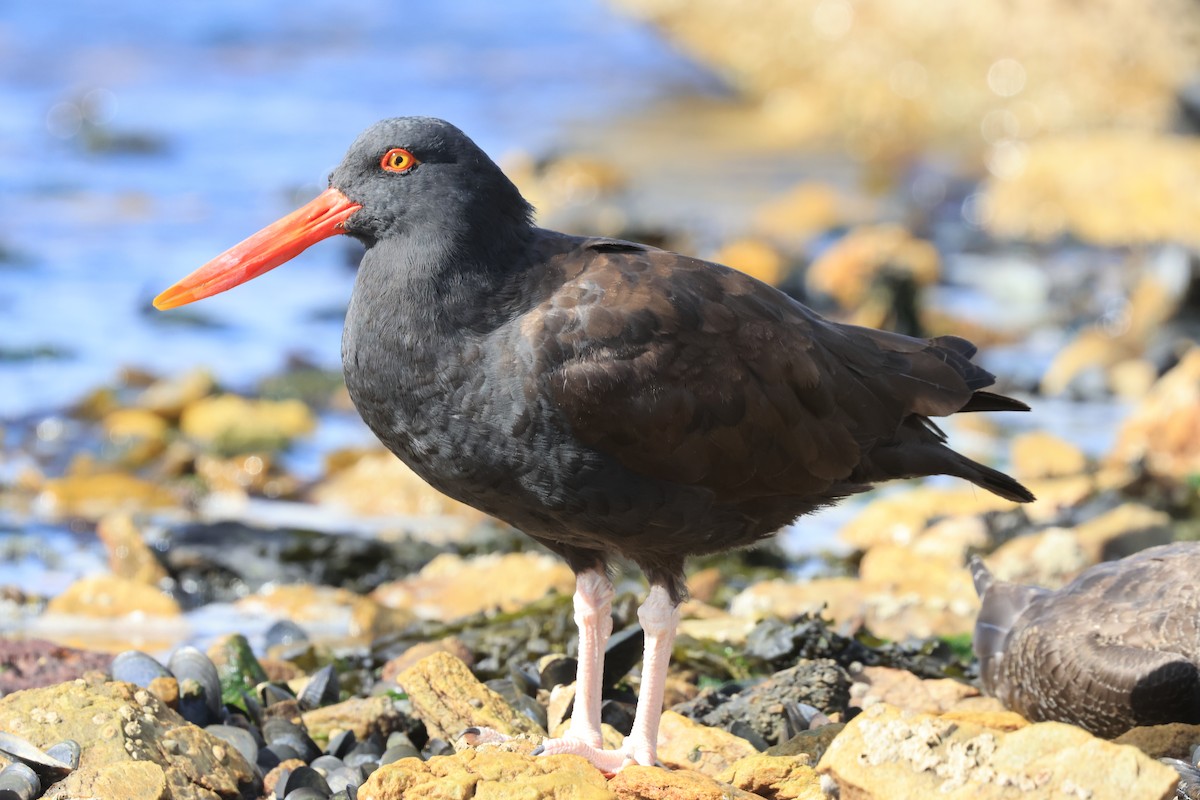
x: 401, y: 175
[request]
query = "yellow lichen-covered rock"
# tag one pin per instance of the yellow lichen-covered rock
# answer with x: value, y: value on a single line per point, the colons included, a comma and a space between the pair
x: 1173, y: 740
x: 168, y: 397
x: 362, y: 715
x: 376, y: 484
x: 1040, y: 454
x: 1163, y: 432
x: 107, y: 596
x: 846, y: 269
x: 448, y: 699
x: 1110, y: 188
x: 686, y: 744
x: 499, y: 582
x: 235, y: 424
x: 755, y: 257
x: 651, y: 783
x: 775, y: 777
x: 128, y: 554
x: 325, y: 605
x: 804, y: 211
x: 888, y: 753
x: 94, y: 495
x: 881, y: 77
x: 487, y: 775
x: 132, y: 744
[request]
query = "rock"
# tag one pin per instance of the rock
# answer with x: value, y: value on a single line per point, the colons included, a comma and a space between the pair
x: 233, y: 424
x: 448, y: 699
x: 703, y: 584
x: 92, y: 496
x: 131, y: 779
x: 803, y: 212
x: 908, y: 594
x: 362, y: 715
x: 325, y: 606
x: 1049, y: 557
x: 686, y: 744
x: 130, y: 742
x: 1174, y: 740
x: 1111, y: 188
x: 847, y: 270
x: 888, y: 753
x: 840, y: 598
x: 450, y: 644
x: 1164, y: 431
x: 883, y: 79
x: 170, y: 396
x: 487, y: 775
x: 138, y: 435
x: 651, y: 783
x: 1123, y: 531
x: 1114, y: 649
x: 762, y: 708
x: 377, y: 484
x: 1043, y: 455
x: 252, y: 473
x: 809, y: 745
x: 904, y: 690
x: 33, y: 663
x: 899, y: 518
x: 128, y: 555
x: 110, y: 597
x: 756, y: 258
x: 776, y: 777
x: 500, y: 582
x: 279, y: 773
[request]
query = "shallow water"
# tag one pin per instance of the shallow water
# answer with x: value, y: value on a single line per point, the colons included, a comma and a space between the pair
x: 217, y: 118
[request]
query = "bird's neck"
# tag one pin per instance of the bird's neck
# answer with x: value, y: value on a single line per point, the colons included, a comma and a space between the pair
x: 429, y: 283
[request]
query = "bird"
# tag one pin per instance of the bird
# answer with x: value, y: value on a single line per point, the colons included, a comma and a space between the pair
x: 607, y: 398
x: 1117, y: 647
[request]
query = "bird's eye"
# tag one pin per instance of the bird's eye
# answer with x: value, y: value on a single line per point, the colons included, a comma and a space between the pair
x: 398, y: 160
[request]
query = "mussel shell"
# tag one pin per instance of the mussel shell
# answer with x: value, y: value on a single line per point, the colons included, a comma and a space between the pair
x: 322, y: 689
x: 341, y: 744
x: 134, y: 666
x: 25, y: 752
x: 282, y: 732
x: 305, y: 793
x: 326, y: 764
x: 557, y: 671
x: 242, y: 740
x: 284, y: 632
x: 398, y: 752
x: 197, y: 675
x: 303, y: 778
x: 271, y: 693
x: 345, y: 777
x: 66, y: 751
x: 19, y: 782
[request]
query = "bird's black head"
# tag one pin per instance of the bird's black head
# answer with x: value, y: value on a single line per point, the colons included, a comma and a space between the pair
x: 414, y: 177
x: 411, y: 172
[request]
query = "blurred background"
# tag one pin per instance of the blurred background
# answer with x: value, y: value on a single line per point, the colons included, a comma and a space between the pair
x: 1024, y: 174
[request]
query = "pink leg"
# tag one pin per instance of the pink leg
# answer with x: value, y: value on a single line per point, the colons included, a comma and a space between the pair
x: 659, y: 616
x: 593, y: 617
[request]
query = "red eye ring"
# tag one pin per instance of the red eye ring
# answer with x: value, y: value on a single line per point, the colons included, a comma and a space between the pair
x: 398, y: 160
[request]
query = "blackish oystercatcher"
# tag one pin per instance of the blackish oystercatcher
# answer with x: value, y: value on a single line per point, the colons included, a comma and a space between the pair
x: 605, y: 397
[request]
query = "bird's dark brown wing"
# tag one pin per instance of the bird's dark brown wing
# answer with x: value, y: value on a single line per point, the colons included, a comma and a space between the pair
x: 695, y: 373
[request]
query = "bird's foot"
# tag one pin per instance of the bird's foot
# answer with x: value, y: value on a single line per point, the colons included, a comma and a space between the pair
x: 609, y: 762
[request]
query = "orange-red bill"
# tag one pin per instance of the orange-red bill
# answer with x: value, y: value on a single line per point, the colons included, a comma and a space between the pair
x: 281, y: 241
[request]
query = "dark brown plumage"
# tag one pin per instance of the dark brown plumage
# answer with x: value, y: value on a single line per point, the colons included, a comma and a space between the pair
x: 604, y: 397
x: 1115, y: 648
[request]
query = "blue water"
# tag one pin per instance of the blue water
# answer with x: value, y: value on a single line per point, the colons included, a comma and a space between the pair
x: 225, y: 115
